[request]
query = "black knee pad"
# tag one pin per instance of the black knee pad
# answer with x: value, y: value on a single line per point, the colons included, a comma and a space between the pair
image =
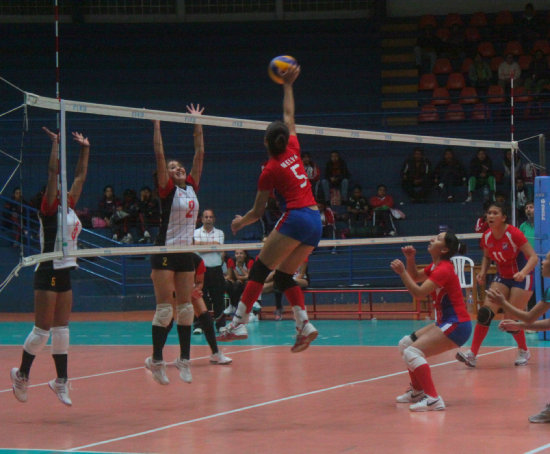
x: 283, y: 281
x: 259, y: 272
x: 485, y: 315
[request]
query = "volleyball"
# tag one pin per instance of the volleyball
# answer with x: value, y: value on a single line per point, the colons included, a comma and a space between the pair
x: 278, y: 66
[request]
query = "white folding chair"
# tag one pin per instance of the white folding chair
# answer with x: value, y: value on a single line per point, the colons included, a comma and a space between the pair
x: 459, y: 262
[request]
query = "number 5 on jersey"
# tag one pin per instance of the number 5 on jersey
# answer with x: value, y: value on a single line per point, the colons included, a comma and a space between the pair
x: 301, y: 176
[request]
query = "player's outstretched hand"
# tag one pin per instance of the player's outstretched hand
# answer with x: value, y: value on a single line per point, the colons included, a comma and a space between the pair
x: 408, y: 251
x: 291, y: 74
x: 195, y: 110
x: 397, y: 266
x: 79, y: 138
x: 52, y: 135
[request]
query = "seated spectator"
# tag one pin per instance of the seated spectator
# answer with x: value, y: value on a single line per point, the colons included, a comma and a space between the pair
x: 148, y: 215
x: 427, y: 47
x: 381, y: 205
x: 509, y: 69
x: 13, y: 215
x: 416, y: 176
x: 336, y: 179
x: 312, y: 171
x: 538, y: 74
x: 358, y: 212
x: 238, y: 268
x: 328, y: 220
x: 449, y: 175
x: 124, y: 221
x: 481, y: 175
x: 106, y: 209
x: 270, y: 217
x: 480, y: 74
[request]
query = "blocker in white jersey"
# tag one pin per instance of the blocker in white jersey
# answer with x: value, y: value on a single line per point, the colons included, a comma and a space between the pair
x: 53, y: 297
x: 173, y: 273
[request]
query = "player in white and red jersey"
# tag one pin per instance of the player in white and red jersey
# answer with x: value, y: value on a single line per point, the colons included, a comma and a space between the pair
x: 174, y: 272
x: 452, y: 327
x: 53, y: 297
x: 515, y: 259
x: 295, y: 235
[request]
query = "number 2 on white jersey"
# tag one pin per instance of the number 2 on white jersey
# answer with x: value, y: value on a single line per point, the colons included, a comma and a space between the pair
x: 302, y: 176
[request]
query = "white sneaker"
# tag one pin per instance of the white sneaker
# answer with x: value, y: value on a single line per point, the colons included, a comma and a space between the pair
x: 60, y: 386
x: 146, y: 235
x: 158, y: 370
x: 428, y: 404
x: 184, y: 367
x: 232, y: 332
x: 197, y: 330
x: 229, y: 310
x: 469, y: 199
x: 252, y: 317
x: 19, y: 385
x: 411, y: 396
x: 304, y: 336
x: 127, y: 238
x: 522, y: 358
x: 467, y: 358
x: 220, y: 358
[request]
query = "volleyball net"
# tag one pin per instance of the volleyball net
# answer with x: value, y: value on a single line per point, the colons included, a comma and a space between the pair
x: 121, y: 157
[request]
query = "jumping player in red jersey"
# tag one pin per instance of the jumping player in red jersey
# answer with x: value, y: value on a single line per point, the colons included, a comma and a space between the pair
x: 452, y: 327
x: 515, y: 259
x: 297, y: 232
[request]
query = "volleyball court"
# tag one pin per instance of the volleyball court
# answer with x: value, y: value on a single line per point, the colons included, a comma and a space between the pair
x: 338, y: 396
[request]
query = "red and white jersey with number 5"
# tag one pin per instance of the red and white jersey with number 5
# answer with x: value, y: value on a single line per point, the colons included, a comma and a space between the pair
x: 505, y: 251
x: 179, y: 211
x: 285, y: 174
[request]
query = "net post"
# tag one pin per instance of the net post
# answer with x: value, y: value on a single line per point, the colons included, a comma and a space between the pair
x: 62, y: 218
x: 542, y: 151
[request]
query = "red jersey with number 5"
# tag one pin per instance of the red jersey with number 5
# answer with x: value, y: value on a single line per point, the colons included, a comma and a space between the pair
x: 179, y: 210
x: 505, y: 251
x: 285, y: 174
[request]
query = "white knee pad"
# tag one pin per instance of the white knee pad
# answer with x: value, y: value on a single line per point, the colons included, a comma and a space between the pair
x: 414, y: 357
x: 36, y: 340
x: 60, y: 340
x: 405, y: 342
x: 186, y: 314
x: 163, y: 315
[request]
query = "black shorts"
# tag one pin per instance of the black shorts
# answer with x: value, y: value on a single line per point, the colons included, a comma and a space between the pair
x: 178, y: 262
x: 52, y: 280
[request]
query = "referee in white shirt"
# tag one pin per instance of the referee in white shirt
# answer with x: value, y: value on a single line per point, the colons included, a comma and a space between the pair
x: 214, y: 281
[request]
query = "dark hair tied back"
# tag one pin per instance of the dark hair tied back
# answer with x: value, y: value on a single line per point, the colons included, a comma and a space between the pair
x: 276, y: 136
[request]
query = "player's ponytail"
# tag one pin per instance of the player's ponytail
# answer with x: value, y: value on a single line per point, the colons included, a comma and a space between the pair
x: 453, y: 245
x: 276, y: 137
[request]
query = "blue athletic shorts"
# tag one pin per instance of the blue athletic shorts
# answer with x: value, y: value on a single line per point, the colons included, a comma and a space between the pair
x: 526, y: 284
x: 302, y: 224
x: 458, y: 332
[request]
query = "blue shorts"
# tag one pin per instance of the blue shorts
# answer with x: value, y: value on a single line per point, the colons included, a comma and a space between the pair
x: 458, y: 332
x: 526, y: 284
x: 302, y: 224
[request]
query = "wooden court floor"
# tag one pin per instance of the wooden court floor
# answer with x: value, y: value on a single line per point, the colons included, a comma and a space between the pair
x: 336, y: 397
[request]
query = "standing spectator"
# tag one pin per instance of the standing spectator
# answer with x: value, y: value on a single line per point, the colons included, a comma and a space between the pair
x: 427, y: 46
x: 522, y: 197
x: 312, y: 171
x: 507, y: 70
x: 538, y: 74
x: 358, y: 211
x: 480, y: 74
x: 381, y: 205
x: 449, y: 174
x: 214, y: 281
x: 336, y: 177
x: 507, y: 167
x: 416, y: 176
x: 148, y: 214
x: 481, y: 175
x: 530, y: 27
x: 529, y: 172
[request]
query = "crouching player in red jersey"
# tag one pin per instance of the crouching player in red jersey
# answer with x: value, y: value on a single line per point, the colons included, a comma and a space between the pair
x: 452, y: 327
x: 297, y: 232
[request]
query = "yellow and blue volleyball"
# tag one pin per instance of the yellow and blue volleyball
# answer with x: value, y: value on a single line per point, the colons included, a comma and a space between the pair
x: 278, y: 66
